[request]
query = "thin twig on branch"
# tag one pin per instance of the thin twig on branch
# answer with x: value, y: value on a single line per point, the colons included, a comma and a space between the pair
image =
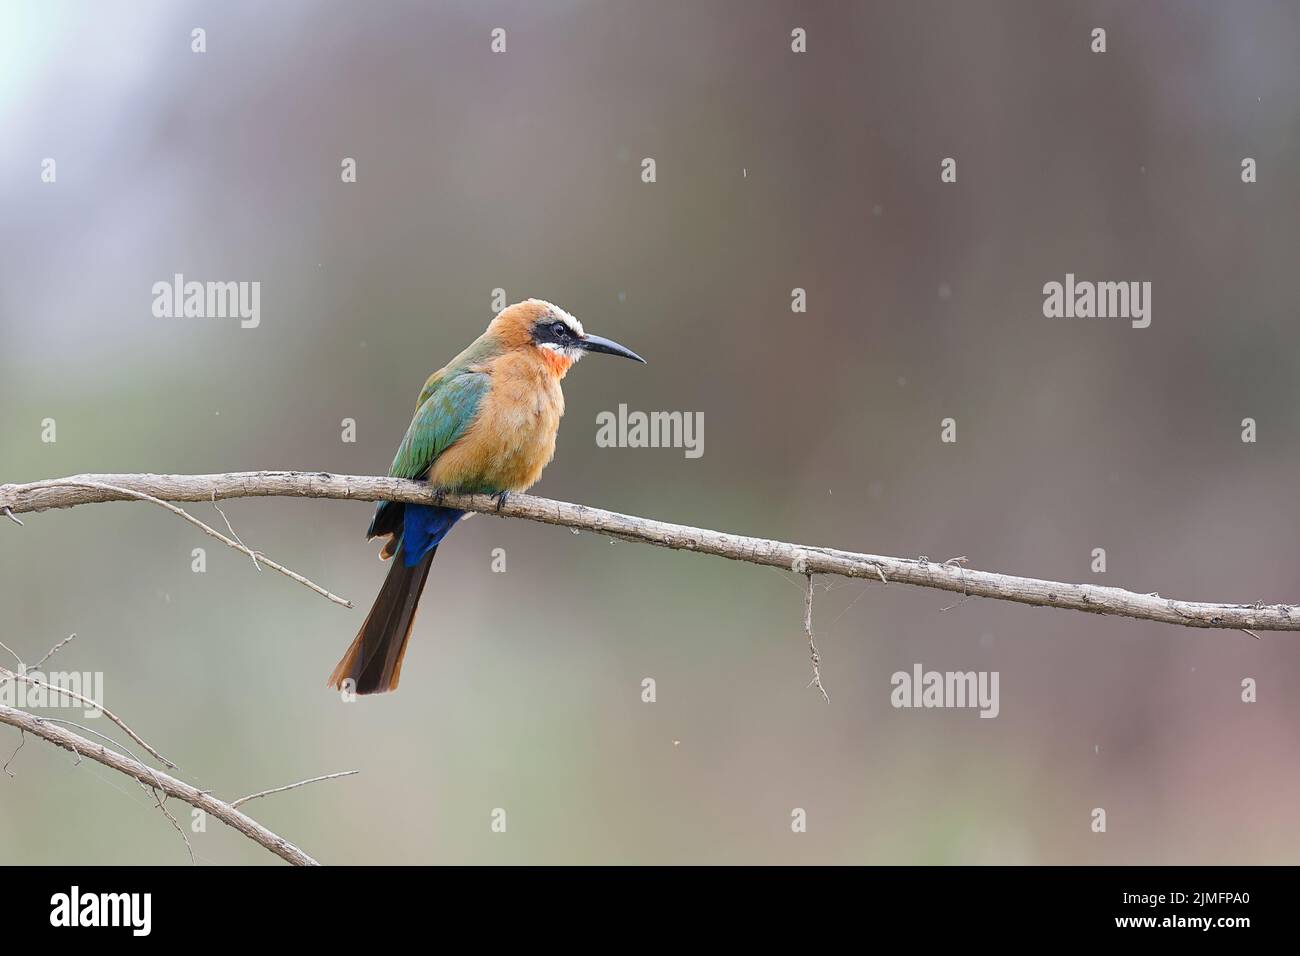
x: 812, y: 648
x: 50, y: 653
x: 7, y: 674
x: 155, y: 779
x: 805, y: 559
x: 123, y: 492
x: 293, y: 786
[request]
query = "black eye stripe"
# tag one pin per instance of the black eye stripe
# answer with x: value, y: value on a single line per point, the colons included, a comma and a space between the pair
x: 555, y: 331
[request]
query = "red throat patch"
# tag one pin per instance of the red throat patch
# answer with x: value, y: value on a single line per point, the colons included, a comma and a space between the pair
x: 557, y: 363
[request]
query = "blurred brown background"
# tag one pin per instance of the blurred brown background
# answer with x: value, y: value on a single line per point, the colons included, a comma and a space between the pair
x: 522, y: 171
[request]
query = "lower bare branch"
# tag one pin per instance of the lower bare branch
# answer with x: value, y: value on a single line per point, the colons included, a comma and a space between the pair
x: 155, y: 779
x: 6, y: 674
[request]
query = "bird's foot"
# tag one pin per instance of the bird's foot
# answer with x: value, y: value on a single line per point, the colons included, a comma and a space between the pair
x: 439, y: 496
x: 501, y: 500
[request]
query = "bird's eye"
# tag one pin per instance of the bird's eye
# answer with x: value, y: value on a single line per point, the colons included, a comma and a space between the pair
x: 560, y: 329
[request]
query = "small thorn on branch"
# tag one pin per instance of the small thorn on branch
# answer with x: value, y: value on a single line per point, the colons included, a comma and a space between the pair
x: 8, y: 513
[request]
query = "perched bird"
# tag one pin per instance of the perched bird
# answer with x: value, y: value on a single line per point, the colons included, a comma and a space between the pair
x: 485, y: 423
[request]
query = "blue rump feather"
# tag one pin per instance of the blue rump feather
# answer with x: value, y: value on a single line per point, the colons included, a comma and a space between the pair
x: 423, y: 527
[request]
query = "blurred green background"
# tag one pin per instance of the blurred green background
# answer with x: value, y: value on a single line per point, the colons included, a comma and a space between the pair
x: 521, y: 171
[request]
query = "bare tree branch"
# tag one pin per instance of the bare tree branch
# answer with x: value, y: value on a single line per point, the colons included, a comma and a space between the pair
x: 155, y: 780
x: 803, y: 559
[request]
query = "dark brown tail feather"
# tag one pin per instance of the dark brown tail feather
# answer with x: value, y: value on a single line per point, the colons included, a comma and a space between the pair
x: 374, y: 661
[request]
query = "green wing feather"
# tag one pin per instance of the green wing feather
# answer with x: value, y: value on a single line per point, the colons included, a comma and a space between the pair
x: 448, y: 405
x: 447, y: 408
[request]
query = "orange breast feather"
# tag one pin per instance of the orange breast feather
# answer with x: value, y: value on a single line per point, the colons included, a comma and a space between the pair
x: 513, y: 436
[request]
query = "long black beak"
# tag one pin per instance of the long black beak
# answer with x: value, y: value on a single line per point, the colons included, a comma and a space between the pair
x: 594, y: 343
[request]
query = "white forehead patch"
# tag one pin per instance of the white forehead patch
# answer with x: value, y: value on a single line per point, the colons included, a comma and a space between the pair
x: 556, y: 312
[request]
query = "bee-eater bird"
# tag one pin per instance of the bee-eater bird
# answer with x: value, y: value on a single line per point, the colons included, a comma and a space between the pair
x: 485, y: 423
